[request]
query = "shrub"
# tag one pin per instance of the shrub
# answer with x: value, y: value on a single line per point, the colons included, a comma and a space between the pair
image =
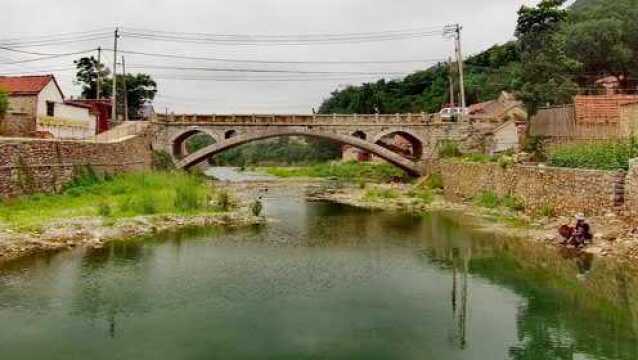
x: 613, y: 155
x: 162, y: 161
x: 435, y: 181
x: 535, y: 145
x: 223, y: 200
x: 487, y: 199
x: 449, y: 149
x: 547, y: 210
x: 513, y: 203
x: 505, y: 161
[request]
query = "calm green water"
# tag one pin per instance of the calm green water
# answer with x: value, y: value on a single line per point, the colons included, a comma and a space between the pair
x: 326, y: 281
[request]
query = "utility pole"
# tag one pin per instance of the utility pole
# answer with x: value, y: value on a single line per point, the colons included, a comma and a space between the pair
x: 459, y: 52
x: 451, y: 77
x: 125, y: 89
x: 99, y: 73
x: 454, y: 31
x: 114, y: 98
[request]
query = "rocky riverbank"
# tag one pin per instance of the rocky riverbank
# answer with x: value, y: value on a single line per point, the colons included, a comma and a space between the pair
x: 95, y: 232
x: 613, y: 235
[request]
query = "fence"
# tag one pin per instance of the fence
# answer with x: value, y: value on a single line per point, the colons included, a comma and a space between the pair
x: 560, y: 125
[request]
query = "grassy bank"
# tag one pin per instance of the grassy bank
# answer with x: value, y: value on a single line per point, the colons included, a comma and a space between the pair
x: 126, y: 195
x: 612, y: 155
x: 347, y: 171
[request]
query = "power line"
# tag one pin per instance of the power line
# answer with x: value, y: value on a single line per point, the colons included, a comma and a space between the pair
x: 45, y: 54
x: 287, y: 37
x: 50, y: 36
x: 248, y: 70
x: 45, y: 58
x: 277, y: 42
x: 247, y: 61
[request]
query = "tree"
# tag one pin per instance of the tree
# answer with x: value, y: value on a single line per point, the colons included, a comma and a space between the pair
x: 603, y: 36
x: 546, y: 71
x: 87, y: 77
x: 140, y: 90
x: 4, y: 103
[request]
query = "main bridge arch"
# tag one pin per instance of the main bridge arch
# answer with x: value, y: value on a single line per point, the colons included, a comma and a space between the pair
x: 355, y: 139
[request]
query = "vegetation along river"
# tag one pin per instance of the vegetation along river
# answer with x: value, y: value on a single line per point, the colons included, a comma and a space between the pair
x: 319, y: 281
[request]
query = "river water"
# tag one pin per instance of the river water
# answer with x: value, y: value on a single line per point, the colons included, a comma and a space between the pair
x: 320, y: 281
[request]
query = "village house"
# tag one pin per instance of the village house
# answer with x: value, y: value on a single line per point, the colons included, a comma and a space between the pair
x: 37, y: 108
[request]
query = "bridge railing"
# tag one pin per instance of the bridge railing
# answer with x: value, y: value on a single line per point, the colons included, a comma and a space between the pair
x: 334, y: 119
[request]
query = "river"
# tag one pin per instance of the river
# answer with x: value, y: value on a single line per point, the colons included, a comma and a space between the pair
x: 320, y: 281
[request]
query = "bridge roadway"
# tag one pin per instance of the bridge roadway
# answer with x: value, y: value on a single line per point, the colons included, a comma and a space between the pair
x: 366, y: 132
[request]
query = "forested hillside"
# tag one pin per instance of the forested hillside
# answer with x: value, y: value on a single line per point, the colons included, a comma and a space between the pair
x: 557, y: 52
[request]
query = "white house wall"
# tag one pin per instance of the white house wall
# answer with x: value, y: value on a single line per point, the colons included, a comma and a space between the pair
x: 69, y: 122
x: 49, y: 93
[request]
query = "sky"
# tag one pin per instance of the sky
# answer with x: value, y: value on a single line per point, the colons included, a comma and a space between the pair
x: 204, y: 86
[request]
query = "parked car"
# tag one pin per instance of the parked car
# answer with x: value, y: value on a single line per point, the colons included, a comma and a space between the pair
x: 452, y: 113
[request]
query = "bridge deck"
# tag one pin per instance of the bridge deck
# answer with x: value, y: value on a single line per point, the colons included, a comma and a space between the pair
x: 331, y: 120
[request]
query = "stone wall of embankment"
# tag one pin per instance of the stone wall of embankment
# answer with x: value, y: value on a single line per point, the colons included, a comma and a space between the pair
x: 631, y: 191
x: 564, y: 191
x: 43, y: 166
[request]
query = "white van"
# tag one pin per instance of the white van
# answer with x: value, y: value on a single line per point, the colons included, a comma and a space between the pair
x: 452, y: 113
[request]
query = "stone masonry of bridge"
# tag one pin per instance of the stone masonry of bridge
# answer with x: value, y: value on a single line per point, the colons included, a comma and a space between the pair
x: 361, y: 131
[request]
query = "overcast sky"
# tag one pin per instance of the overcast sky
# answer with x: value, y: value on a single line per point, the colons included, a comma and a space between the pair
x: 485, y: 23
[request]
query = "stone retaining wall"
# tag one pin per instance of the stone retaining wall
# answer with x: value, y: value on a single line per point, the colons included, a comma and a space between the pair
x: 631, y: 191
x: 565, y: 191
x: 34, y: 166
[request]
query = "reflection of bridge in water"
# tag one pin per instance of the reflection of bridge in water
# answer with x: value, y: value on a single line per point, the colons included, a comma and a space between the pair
x: 370, y: 133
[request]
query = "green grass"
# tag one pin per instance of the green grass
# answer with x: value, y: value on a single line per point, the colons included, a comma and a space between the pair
x: 378, y: 194
x: 449, y: 149
x: 613, y: 155
x: 126, y: 195
x: 435, y: 182
x: 491, y: 200
x: 424, y: 196
x: 348, y: 171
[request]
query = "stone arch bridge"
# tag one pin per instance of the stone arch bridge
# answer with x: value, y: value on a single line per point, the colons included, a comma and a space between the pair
x: 420, y: 134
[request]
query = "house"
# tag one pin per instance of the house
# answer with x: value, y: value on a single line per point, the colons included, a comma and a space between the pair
x: 37, y: 109
x: 506, y: 137
x: 505, y: 107
x: 102, y: 110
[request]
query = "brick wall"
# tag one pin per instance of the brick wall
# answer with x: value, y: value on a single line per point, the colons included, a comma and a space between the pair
x: 567, y: 191
x: 601, y: 109
x: 32, y: 166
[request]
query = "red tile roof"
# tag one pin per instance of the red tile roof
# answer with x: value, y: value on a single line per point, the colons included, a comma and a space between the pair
x: 25, y: 85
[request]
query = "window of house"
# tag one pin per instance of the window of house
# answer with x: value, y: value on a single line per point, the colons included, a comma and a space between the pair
x: 50, y: 108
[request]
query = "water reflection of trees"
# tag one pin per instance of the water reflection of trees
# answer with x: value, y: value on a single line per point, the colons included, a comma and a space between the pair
x: 111, y: 284
x: 573, y: 306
